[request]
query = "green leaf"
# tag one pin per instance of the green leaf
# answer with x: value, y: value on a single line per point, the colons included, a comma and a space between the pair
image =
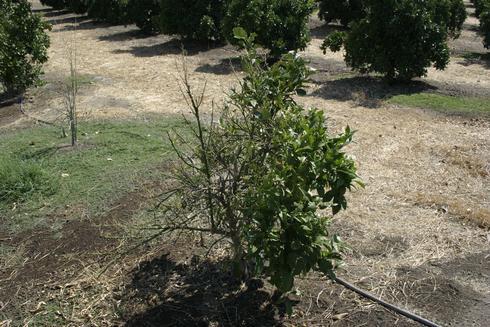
x: 326, y: 267
x: 239, y: 33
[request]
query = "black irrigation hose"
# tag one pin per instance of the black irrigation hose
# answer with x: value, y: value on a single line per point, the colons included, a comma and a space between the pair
x: 389, y: 306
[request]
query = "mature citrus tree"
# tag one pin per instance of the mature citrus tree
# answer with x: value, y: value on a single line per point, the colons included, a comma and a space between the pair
x: 23, y: 46
x: 399, y: 38
x: 279, y: 26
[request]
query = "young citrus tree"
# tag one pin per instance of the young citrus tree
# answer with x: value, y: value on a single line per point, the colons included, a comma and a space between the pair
x: 265, y: 176
x: 23, y: 46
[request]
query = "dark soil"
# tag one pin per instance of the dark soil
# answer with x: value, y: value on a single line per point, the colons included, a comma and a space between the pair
x: 9, y: 114
x: 177, y: 289
x: 53, y: 257
x: 167, y: 291
x: 450, y: 290
x: 181, y: 287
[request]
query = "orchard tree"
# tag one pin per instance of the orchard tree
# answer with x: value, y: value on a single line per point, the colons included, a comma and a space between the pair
x: 280, y: 26
x: 398, y: 38
x: 56, y: 4
x: 110, y: 11
x: 450, y: 14
x: 343, y: 10
x: 23, y: 46
x: 144, y: 13
x: 196, y: 20
x: 485, y: 27
x: 457, y: 18
x: 78, y: 6
x: 482, y: 11
x: 479, y: 6
x: 267, y: 178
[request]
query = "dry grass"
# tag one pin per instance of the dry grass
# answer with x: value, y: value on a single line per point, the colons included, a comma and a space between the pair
x: 472, y: 163
x: 454, y: 207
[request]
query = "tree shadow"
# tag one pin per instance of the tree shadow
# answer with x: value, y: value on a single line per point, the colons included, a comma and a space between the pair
x: 51, y: 12
x: 47, y: 12
x: 165, y: 293
x: 321, y: 31
x: 9, y: 112
x: 452, y: 302
x: 472, y: 28
x: 171, y: 47
x: 225, y: 66
x: 476, y: 58
x: 7, y: 99
x: 326, y: 67
x: 83, y: 23
x: 368, y: 91
x: 68, y: 20
x: 125, y: 36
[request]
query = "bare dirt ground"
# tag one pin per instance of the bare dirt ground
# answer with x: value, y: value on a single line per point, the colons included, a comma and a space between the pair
x: 418, y: 232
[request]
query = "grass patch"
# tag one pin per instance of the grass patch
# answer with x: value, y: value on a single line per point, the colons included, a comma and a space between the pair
x: 445, y: 103
x: 47, y: 176
x: 20, y: 180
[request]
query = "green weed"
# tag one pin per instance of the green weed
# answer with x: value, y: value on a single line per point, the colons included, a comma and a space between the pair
x: 113, y: 158
x: 445, y: 103
x: 20, y: 180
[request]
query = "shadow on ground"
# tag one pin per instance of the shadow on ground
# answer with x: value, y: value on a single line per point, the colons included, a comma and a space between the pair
x: 9, y: 113
x: 224, y: 66
x: 476, y: 58
x: 79, y: 20
x: 194, y: 294
x: 49, y: 12
x: 124, y: 36
x: 454, y: 296
x: 321, y: 31
x: 367, y: 91
x: 171, y: 47
x: 473, y: 28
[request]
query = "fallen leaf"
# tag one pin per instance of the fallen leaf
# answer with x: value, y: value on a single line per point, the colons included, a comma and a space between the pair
x: 340, y: 316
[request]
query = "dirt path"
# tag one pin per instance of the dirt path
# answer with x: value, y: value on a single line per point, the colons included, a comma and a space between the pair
x: 413, y: 231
